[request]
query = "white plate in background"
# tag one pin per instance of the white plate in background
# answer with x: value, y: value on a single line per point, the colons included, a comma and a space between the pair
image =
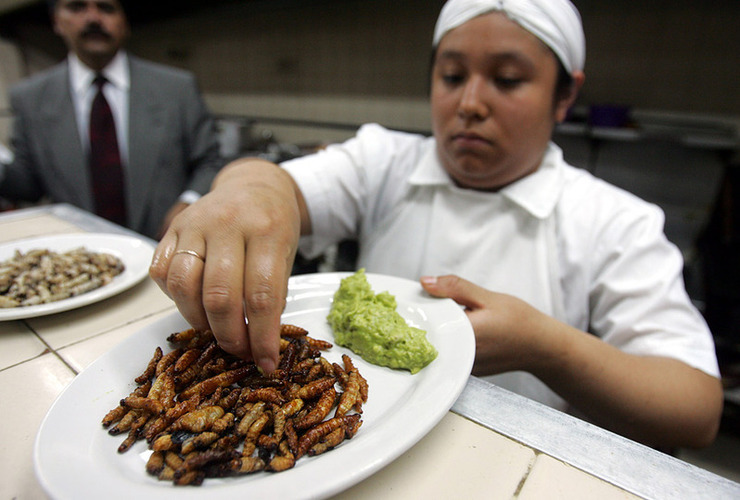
x: 135, y: 253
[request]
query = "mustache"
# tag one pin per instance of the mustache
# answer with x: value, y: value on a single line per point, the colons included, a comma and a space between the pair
x: 95, y: 29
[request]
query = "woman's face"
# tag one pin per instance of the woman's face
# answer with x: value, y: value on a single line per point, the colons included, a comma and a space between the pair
x: 492, y: 98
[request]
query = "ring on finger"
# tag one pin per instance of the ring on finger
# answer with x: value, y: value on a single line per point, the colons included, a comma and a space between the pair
x: 191, y: 252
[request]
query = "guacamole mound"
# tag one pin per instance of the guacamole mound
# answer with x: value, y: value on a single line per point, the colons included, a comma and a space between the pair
x: 370, y: 326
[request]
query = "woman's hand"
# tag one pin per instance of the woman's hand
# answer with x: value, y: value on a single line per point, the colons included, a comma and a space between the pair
x: 656, y: 400
x: 506, y: 336
x: 246, y: 230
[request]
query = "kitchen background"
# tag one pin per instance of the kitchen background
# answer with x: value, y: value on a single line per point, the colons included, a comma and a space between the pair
x: 659, y: 114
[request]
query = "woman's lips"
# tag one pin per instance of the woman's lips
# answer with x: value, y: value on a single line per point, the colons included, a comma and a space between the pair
x: 470, y: 141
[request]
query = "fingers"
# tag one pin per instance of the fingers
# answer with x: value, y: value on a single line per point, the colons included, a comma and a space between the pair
x: 223, y: 294
x: 453, y: 287
x: 269, y: 263
x: 161, y: 260
x: 177, y: 268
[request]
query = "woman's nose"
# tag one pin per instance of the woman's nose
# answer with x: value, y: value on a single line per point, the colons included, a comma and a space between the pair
x: 472, y: 101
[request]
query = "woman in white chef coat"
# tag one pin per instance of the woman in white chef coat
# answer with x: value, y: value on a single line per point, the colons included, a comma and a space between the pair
x: 574, y: 293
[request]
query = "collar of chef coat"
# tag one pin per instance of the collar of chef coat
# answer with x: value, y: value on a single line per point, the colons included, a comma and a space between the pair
x: 537, y: 193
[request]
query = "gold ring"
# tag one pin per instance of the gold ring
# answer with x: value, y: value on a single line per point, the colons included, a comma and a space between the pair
x: 191, y: 252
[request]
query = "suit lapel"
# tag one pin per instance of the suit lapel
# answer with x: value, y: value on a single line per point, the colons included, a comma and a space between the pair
x: 146, y: 122
x: 65, y: 152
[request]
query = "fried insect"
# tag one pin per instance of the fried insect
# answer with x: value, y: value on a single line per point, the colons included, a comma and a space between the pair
x: 116, y: 414
x: 287, y: 330
x: 151, y: 367
x: 264, y: 394
x: 184, y: 361
x: 316, y: 388
x: 205, y: 413
x: 198, y: 442
x: 224, y: 379
x: 167, y: 360
x: 155, y: 464
x: 198, y: 420
x: 152, y: 406
x: 253, y: 414
x: 330, y: 441
x: 319, y: 412
x: 133, y: 433
x: 351, y: 396
x: 154, y: 427
x: 284, y: 460
x: 349, y: 366
x: 312, y: 436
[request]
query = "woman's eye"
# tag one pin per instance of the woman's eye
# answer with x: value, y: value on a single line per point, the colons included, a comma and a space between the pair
x: 508, y: 83
x: 452, y: 78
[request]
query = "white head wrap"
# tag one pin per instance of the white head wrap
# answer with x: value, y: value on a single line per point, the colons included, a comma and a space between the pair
x: 556, y: 22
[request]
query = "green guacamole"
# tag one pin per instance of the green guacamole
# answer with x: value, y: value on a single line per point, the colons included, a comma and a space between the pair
x: 370, y: 326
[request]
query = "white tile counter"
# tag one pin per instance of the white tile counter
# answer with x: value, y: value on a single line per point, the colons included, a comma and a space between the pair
x: 493, y: 444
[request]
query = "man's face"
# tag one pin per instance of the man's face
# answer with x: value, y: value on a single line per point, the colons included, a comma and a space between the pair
x: 93, y: 29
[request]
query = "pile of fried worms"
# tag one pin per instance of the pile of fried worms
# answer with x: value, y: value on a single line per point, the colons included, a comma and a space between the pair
x: 41, y: 276
x: 206, y: 413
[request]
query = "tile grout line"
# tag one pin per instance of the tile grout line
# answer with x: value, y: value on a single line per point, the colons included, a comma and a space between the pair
x: 526, y: 475
x: 50, y: 349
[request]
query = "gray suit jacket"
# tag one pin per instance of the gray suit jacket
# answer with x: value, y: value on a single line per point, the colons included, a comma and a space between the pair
x: 173, y: 144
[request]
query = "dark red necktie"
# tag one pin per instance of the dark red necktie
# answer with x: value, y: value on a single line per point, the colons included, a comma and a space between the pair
x: 105, y: 160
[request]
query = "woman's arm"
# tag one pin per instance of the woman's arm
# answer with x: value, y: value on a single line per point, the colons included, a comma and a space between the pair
x: 658, y: 401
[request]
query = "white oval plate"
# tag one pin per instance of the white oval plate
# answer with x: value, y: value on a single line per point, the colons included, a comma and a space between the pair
x: 75, y: 458
x: 135, y: 253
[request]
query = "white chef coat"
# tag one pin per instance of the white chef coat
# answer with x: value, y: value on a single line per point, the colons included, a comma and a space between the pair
x: 571, y: 245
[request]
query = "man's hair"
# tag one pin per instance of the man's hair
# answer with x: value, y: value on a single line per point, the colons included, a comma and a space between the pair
x: 53, y: 3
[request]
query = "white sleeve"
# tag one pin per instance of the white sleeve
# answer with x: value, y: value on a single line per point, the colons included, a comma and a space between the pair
x: 638, y: 299
x: 348, y: 185
x: 332, y: 185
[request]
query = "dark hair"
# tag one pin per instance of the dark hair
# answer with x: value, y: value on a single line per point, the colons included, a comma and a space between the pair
x: 564, y: 84
x: 52, y: 4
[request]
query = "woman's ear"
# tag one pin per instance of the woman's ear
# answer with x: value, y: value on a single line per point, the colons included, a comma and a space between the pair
x: 564, y: 104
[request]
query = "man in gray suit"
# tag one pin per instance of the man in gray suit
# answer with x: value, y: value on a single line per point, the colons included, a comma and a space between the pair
x: 166, y: 138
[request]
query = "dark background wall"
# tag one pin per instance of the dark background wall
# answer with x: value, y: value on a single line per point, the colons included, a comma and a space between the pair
x: 673, y: 55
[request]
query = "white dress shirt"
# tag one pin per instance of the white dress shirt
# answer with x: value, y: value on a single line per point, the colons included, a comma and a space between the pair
x: 116, y: 92
x: 575, y: 247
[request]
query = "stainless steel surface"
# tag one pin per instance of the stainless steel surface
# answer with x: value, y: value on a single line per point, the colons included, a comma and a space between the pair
x: 631, y: 466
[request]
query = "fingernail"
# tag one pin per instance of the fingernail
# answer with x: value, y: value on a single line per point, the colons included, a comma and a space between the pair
x: 267, y: 364
x: 429, y: 280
